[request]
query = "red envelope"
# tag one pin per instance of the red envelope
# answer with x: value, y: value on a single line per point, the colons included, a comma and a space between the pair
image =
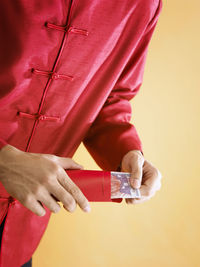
x: 95, y: 185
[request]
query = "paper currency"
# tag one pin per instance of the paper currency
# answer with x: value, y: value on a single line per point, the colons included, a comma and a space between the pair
x: 120, y: 186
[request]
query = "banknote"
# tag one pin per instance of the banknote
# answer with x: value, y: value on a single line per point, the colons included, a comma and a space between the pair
x: 120, y: 186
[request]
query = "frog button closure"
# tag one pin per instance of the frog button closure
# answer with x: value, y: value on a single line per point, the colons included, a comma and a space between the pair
x: 66, y: 28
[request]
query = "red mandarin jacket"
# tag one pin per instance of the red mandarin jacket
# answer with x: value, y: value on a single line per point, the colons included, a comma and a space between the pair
x: 68, y: 70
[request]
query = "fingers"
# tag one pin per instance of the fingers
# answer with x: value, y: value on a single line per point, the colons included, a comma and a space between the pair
x: 146, y: 194
x: 152, y: 183
x: 149, y: 187
x: 62, y: 188
x: 48, y: 201
x: 40, y: 185
x: 42, y: 196
x: 65, y: 197
x: 76, y: 193
x: 136, y: 171
x: 67, y: 163
x: 136, y: 201
x: 34, y: 202
x: 33, y: 205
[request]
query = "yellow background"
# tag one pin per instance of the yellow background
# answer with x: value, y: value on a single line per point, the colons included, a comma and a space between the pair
x: 166, y: 230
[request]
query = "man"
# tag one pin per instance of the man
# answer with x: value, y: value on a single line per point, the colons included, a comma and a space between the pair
x: 68, y: 71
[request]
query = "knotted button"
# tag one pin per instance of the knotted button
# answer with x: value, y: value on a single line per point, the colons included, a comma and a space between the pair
x: 66, y: 28
x: 41, y: 117
x: 55, y: 76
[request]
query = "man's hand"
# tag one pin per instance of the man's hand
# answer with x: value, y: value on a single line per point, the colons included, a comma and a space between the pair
x: 34, y: 178
x: 143, y: 175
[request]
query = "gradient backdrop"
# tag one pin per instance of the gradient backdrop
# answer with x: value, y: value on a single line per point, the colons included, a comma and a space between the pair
x: 166, y: 230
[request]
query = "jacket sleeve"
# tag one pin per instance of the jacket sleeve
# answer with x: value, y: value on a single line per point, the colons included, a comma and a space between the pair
x: 112, y: 135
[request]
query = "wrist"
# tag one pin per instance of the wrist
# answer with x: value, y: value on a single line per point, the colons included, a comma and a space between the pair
x: 7, y: 154
x: 7, y: 149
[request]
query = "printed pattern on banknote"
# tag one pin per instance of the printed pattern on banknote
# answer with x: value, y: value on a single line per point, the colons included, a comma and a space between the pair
x: 120, y: 186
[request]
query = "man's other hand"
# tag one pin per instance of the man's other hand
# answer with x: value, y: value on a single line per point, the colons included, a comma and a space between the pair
x: 35, y: 179
x: 143, y: 175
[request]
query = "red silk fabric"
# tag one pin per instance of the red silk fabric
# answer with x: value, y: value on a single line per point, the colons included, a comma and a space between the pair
x: 68, y: 70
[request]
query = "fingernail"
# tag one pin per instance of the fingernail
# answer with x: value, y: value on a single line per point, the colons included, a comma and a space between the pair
x: 136, y: 183
x: 57, y: 209
x: 87, y: 209
x: 42, y: 213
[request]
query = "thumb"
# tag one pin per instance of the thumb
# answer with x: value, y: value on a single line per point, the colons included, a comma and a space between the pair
x: 68, y: 163
x: 136, y: 173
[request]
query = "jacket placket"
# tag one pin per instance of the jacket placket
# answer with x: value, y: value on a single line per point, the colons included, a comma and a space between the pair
x: 52, y: 75
x: 39, y: 116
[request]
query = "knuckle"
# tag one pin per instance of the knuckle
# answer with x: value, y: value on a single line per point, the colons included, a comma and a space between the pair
x: 49, y: 178
x: 149, y: 193
x: 75, y: 191
x: 26, y: 200
x: 54, y: 168
x: 54, y: 158
x: 37, y: 190
x: 49, y: 156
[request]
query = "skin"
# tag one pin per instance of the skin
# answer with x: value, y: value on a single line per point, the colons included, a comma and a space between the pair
x: 144, y: 175
x: 36, y: 179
